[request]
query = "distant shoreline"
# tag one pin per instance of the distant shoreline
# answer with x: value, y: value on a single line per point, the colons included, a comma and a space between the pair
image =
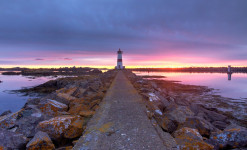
x: 194, y: 69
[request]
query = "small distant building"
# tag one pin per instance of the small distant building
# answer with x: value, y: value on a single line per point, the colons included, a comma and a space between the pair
x: 119, y: 60
x: 229, y: 70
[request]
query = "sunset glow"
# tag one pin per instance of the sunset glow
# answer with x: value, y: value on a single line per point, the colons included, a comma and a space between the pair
x: 152, y: 35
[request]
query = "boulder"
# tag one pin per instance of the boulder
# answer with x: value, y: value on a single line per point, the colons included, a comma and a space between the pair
x: 8, y: 121
x: 58, y: 98
x: 12, y: 140
x: 204, y: 127
x: 154, y: 98
x: 231, y: 137
x: 6, y: 113
x: 28, y: 119
x: 188, y: 132
x: 66, y: 93
x: 188, y: 138
x: 220, y: 124
x: 75, y: 109
x: 2, y: 147
x: 66, y: 96
x: 95, y: 85
x: 99, y: 95
x: 79, y: 92
x: 182, y: 102
x: 179, y: 113
x: 196, y: 108
x: 41, y: 140
x: 32, y: 101
x: 94, y: 104
x: 214, y: 116
x: 65, y: 148
x: 87, y: 113
x: 52, y: 107
x: 166, y: 122
x: 62, y: 127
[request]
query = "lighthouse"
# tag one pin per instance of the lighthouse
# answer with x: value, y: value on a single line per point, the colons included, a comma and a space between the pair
x: 119, y: 60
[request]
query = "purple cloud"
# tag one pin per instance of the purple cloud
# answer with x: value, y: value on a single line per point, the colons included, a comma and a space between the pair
x: 68, y: 59
x: 39, y: 59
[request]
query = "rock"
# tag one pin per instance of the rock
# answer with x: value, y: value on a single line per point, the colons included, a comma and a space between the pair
x: 66, y: 93
x: 11, y: 73
x: 33, y: 101
x: 167, y: 139
x: 188, y: 132
x: 11, y: 140
x: 231, y: 138
x: 41, y: 140
x: 234, y: 126
x: 52, y: 107
x: 87, y: 113
x: 79, y: 92
x: 54, y: 96
x: 94, y: 86
x: 75, y: 109
x: 28, y: 119
x: 155, y: 99
x: 204, y: 127
x: 94, y: 104
x: 2, y: 147
x: 65, y: 148
x: 8, y: 121
x: 188, y: 138
x: 66, y: 96
x: 196, y: 108
x: 167, y: 123
x: 179, y: 113
x: 144, y: 90
x: 220, y: 124
x: 214, y: 116
x: 6, y: 113
x: 74, y: 142
x: 98, y: 96
x: 62, y: 127
x: 182, y: 102
x: 212, y: 142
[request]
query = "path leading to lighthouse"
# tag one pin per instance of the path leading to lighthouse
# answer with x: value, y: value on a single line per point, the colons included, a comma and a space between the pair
x: 120, y: 122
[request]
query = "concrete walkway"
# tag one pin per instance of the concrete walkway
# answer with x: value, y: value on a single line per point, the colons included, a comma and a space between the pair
x: 121, y: 122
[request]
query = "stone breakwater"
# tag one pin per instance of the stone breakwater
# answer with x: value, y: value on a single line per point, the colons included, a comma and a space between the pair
x: 57, y: 120
x: 191, y: 125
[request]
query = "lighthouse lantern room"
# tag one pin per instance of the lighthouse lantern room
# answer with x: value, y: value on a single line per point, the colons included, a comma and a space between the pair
x: 119, y: 60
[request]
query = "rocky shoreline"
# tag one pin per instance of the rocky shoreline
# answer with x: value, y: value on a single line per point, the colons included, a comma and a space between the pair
x: 73, y: 71
x: 181, y: 112
x: 57, y: 120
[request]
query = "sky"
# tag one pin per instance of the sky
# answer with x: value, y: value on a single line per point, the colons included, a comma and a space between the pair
x: 160, y: 33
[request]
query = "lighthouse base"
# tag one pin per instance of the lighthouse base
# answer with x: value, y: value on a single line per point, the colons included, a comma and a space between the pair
x: 120, y: 67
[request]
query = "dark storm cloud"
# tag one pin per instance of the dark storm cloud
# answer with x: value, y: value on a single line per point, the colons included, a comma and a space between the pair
x: 198, y: 27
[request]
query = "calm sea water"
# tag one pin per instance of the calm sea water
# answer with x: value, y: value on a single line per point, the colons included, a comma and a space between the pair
x: 12, y: 101
x: 232, y: 87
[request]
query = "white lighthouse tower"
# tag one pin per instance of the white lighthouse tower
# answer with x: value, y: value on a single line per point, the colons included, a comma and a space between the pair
x: 119, y: 60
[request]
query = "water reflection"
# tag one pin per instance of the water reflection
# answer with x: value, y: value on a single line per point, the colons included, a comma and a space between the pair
x: 237, y: 88
x: 229, y: 76
x: 14, y: 102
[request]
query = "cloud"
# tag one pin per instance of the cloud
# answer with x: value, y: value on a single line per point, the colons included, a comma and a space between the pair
x: 197, y: 28
x: 39, y: 59
x: 68, y: 59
